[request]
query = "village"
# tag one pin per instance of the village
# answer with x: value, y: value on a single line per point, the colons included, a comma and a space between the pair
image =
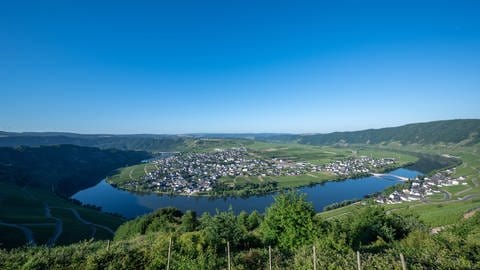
x: 190, y: 173
x: 357, y: 166
x: 421, y: 187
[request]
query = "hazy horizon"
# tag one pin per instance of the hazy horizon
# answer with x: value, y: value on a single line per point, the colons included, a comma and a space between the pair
x: 227, y: 133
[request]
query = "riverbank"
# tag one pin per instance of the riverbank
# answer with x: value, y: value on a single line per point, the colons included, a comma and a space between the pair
x: 257, y: 186
x: 132, y: 204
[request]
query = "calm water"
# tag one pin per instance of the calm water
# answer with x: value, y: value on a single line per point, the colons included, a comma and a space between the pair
x: 131, y: 204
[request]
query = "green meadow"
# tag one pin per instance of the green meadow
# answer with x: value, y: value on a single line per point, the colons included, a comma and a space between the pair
x: 26, y: 207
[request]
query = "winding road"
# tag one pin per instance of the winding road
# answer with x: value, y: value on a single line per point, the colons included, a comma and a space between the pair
x: 58, y: 226
x: 94, y: 226
x: 26, y: 231
x: 446, y: 195
x: 86, y: 222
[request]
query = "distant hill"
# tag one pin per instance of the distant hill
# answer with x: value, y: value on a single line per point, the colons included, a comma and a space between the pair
x: 66, y: 168
x: 465, y: 131
x: 449, y: 131
x: 141, y: 142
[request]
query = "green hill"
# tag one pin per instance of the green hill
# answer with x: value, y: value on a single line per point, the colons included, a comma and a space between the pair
x: 140, y: 142
x: 289, y: 227
x: 465, y: 131
x: 34, y: 182
x: 65, y: 168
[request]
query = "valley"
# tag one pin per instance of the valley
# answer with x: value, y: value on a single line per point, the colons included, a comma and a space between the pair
x: 65, y: 206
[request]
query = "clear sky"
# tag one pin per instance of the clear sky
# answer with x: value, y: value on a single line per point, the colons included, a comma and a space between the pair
x: 236, y: 66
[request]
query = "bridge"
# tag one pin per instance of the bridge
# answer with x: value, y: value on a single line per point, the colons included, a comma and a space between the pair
x: 382, y: 175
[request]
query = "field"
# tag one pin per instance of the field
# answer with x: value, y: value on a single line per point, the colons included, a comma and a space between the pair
x: 441, y: 209
x: 290, y: 151
x: 27, y: 210
x: 283, y: 181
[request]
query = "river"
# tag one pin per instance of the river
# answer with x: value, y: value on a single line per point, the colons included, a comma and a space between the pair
x: 131, y: 204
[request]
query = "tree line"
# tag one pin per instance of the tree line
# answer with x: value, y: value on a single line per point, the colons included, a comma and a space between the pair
x: 283, y: 236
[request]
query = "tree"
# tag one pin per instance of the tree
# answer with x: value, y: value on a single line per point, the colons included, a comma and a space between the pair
x: 243, y: 220
x: 289, y: 221
x: 189, y: 221
x: 253, y: 220
x: 221, y: 228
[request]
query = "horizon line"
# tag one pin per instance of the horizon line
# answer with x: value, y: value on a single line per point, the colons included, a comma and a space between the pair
x: 224, y: 133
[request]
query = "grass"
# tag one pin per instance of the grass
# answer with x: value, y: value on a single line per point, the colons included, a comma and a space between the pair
x: 73, y: 230
x: 381, y: 153
x: 106, y: 220
x: 432, y: 214
x: 102, y: 234
x: 303, y: 180
x: 42, y: 233
x: 298, y: 152
x: 125, y: 174
x: 339, y: 212
x: 291, y: 151
x: 18, y: 206
x: 25, y: 206
x: 437, y: 212
x: 283, y: 181
x: 436, y: 197
x: 455, y: 189
x: 10, y: 237
x: 440, y: 214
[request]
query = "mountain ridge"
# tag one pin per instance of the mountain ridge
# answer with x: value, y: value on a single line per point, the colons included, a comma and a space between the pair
x: 442, y: 131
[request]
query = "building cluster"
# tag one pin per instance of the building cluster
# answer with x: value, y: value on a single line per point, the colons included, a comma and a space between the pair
x: 189, y: 173
x: 356, y: 166
x: 422, y: 187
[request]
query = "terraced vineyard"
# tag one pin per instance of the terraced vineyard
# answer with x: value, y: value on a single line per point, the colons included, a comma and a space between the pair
x: 441, y: 209
x: 39, y: 217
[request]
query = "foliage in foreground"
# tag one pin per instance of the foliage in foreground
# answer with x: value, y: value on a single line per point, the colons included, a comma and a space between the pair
x: 289, y: 226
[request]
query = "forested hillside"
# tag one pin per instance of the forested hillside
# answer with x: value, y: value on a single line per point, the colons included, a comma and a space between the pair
x: 465, y: 131
x: 448, y: 131
x: 297, y: 237
x: 125, y: 142
x: 64, y: 168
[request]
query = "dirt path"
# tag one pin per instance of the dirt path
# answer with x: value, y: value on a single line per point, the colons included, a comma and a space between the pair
x: 26, y: 231
x: 130, y: 174
x: 470, y: 213
x: 145, y: 169
x: 437, y: 230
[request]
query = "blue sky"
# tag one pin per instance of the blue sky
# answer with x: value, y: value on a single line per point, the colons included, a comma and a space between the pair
x: 236, y: 66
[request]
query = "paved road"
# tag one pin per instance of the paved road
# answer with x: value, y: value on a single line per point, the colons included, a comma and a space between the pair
x: 26, y: 231
x: 463, y: 191
x: 88, y: 222
x: 58, y: 226
x: 475, y: 182
x: 446, y: 195
x: 77, y: 215
x: 468, y: 197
